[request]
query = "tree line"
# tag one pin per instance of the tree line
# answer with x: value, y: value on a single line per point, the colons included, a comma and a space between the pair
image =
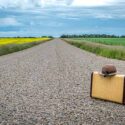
x: 29, y: 37
x: 91, y: 36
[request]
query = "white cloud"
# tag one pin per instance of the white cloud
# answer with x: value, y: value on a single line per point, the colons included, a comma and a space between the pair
x: 53, y: 2
x: 26, y: 4
x: 9, y: 21
x: 103, y: 16
x: 90, y: 3
x: 45, y: 3
x: 23, y: 4
x: 35, y: 4
x: 66, y: 9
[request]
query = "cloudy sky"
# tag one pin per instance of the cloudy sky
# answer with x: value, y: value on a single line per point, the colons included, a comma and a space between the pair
x: 56, y: 17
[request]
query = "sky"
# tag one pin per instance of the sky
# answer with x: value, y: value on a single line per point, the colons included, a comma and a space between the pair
x: 57, y: 17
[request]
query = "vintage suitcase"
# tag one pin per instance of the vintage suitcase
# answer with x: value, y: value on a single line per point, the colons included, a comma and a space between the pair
x: 111, y: 88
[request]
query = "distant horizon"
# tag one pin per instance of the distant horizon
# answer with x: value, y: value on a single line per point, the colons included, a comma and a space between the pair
x: 57, y: 17
x: 60, y: 35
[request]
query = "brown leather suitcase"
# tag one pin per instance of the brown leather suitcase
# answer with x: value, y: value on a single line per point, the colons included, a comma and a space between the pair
x: 111, y: 88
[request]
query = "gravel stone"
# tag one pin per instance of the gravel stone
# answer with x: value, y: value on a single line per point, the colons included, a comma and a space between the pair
x: 49, y: 84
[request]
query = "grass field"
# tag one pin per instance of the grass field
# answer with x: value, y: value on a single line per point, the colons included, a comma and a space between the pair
x: 9, y: 45
x: 97, y: 47
x: 106, y: 41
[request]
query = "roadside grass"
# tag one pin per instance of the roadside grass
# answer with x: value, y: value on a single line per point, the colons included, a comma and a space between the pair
x: 106, y: 41
x: 110, y: 52
x: 19, y: 45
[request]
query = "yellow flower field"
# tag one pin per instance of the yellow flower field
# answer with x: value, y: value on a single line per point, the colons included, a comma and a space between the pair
x: 5, y: 41
x: 10, y: 45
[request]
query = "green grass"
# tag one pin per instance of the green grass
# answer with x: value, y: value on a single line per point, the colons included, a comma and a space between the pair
x: 99, y: 49
x: 20, y: 44
x: 106, y: 41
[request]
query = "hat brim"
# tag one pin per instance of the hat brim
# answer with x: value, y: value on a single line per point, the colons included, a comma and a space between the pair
x: 111, y: 74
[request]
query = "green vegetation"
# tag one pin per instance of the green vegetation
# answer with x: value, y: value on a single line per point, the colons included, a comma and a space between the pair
x: 10, y: 45
x: 117, y: 52
x: 91, y: 36
x: 106, y: 41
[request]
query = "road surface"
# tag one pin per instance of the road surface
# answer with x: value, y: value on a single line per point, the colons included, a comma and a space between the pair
x: 49, y: 84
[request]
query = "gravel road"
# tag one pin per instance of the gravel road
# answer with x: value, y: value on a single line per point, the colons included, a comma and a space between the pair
x: 49, y: 84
